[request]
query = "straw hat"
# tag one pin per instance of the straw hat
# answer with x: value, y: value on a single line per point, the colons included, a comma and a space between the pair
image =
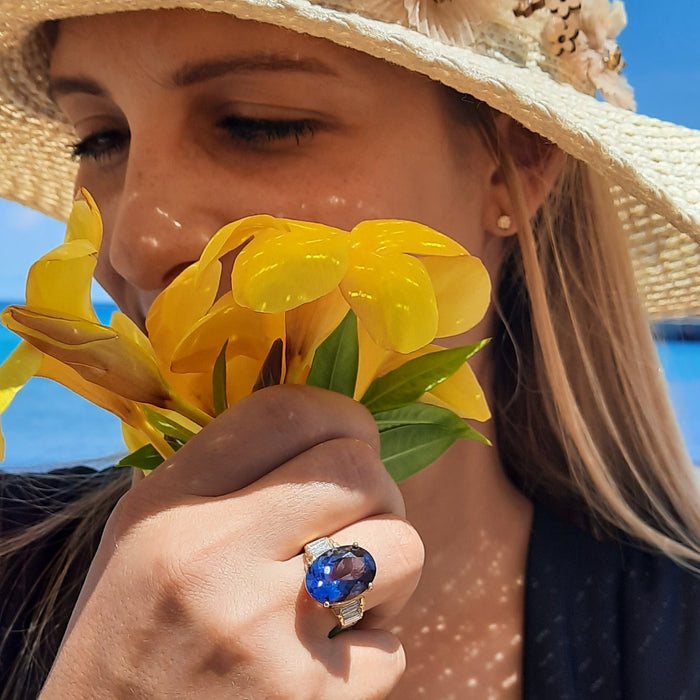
x: 541, y: 61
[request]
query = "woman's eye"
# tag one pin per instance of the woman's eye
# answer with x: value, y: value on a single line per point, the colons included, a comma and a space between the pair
x: 261, y: 131
x: 100, y: 145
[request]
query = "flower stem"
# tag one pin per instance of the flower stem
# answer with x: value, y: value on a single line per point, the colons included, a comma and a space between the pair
x: 189, y: 411
x: 157, y: 440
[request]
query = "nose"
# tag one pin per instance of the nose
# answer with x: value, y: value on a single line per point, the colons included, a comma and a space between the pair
x: 161, y: 221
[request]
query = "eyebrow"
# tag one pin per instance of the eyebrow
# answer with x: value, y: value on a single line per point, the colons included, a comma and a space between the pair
x: 192, y: 73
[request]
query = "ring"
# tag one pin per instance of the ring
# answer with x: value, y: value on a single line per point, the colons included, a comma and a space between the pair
x: 337, y: 577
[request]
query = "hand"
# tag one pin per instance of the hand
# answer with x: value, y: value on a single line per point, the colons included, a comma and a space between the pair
x: 197, y: 587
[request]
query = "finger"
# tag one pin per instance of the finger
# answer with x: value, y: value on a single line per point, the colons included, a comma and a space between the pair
x: 327, y: 488
x: 364, y: 664
x: 258, y: 434
x: 398, y: 554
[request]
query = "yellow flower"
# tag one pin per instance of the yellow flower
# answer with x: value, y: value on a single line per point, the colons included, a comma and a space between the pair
x: 58, y: 318
x: 293, y: 280
x: 112, y: 366
x: 15, y: 372
x: 406, y: 283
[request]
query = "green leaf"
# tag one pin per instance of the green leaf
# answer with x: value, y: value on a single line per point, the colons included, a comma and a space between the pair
x: 146, y: 458
x: 271, y: 370
x: 412, y: 437
x: 414, y: 378
x: 169, y: 427
x: 335, y: 361
x: 218, y: 381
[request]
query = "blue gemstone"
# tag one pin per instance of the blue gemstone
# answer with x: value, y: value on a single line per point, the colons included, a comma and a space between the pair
x: 340, y: 574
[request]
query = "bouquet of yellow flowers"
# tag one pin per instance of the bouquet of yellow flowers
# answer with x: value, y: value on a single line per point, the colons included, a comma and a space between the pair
x: 269, y: 301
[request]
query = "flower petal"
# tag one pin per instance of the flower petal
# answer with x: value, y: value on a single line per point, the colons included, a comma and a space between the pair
x: 61, y: 280
x: 307, y: 326
x: 247, y: 333
x: 235, y: 234
x: 462, y: 394
x: 84, y: 221
x: 372, y: 357
x: 279, y: 270
x: 180, y: 306
x: 462, y: 289
x: 393, y: 297
x: 22, y: 364
x: 387, y: 237
x: 125, y: 410
x: 241, y: 374
x: 96, y: 352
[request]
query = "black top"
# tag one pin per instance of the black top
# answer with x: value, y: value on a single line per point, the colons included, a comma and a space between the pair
x: 603, y: 620
x: 607, y: 620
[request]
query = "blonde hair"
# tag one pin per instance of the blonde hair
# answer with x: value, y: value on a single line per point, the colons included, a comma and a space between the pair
x: 583, y: 416
x: 583, y: 420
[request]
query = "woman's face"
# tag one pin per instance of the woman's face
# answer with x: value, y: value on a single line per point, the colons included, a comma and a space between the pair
x: 189, y: 120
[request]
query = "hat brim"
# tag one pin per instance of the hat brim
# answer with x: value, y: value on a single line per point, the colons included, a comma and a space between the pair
x: 653, y: 167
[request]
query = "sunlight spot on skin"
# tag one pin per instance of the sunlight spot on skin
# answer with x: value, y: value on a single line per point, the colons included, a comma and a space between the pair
x: 510, y: 681
x: 176, y: 224
x: 336, y: 201
x: 425, y: 630
x: 472, y: 683
x: 516, y: 640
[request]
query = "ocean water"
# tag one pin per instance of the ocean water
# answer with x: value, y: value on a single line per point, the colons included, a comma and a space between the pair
x: 48, y: 425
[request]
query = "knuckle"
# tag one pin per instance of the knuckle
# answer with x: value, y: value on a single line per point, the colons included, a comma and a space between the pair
x: 320, y: 413
x: 353, y: 465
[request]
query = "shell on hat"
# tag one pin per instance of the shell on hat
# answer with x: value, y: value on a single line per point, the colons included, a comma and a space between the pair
x: 477, y: 47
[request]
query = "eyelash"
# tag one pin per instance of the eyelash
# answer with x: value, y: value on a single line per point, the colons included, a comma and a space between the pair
x: 249, y: 131
x: 258, y: 132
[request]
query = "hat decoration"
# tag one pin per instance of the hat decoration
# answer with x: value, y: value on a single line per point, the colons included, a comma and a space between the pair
x: 579, y: 33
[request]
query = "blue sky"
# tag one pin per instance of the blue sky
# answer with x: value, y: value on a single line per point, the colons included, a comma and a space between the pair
x: 662, y: 51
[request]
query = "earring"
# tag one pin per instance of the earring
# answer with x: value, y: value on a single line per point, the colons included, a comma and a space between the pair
x: 504, y: 222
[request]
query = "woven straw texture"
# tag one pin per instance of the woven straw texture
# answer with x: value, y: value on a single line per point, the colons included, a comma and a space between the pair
x: 653, y: 167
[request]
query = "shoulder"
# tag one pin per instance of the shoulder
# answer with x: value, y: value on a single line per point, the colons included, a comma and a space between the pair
x: 607, y: 619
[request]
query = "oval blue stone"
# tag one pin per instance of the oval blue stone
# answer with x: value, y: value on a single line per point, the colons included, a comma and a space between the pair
x: 340, y: 574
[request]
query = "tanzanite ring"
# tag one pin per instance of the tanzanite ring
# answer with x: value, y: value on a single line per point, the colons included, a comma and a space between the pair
x: 338, y: 576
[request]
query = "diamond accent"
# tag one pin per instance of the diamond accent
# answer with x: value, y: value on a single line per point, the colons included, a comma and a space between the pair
x: 315, y: 549
x: 350, y: 613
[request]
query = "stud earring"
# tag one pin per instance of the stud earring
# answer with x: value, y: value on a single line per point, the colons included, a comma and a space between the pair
x: 504, y: 222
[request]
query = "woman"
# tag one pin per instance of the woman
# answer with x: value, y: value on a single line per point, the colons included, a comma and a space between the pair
x: 556, y: 565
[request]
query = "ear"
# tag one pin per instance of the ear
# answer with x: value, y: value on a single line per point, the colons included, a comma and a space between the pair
x: 537, y: 165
